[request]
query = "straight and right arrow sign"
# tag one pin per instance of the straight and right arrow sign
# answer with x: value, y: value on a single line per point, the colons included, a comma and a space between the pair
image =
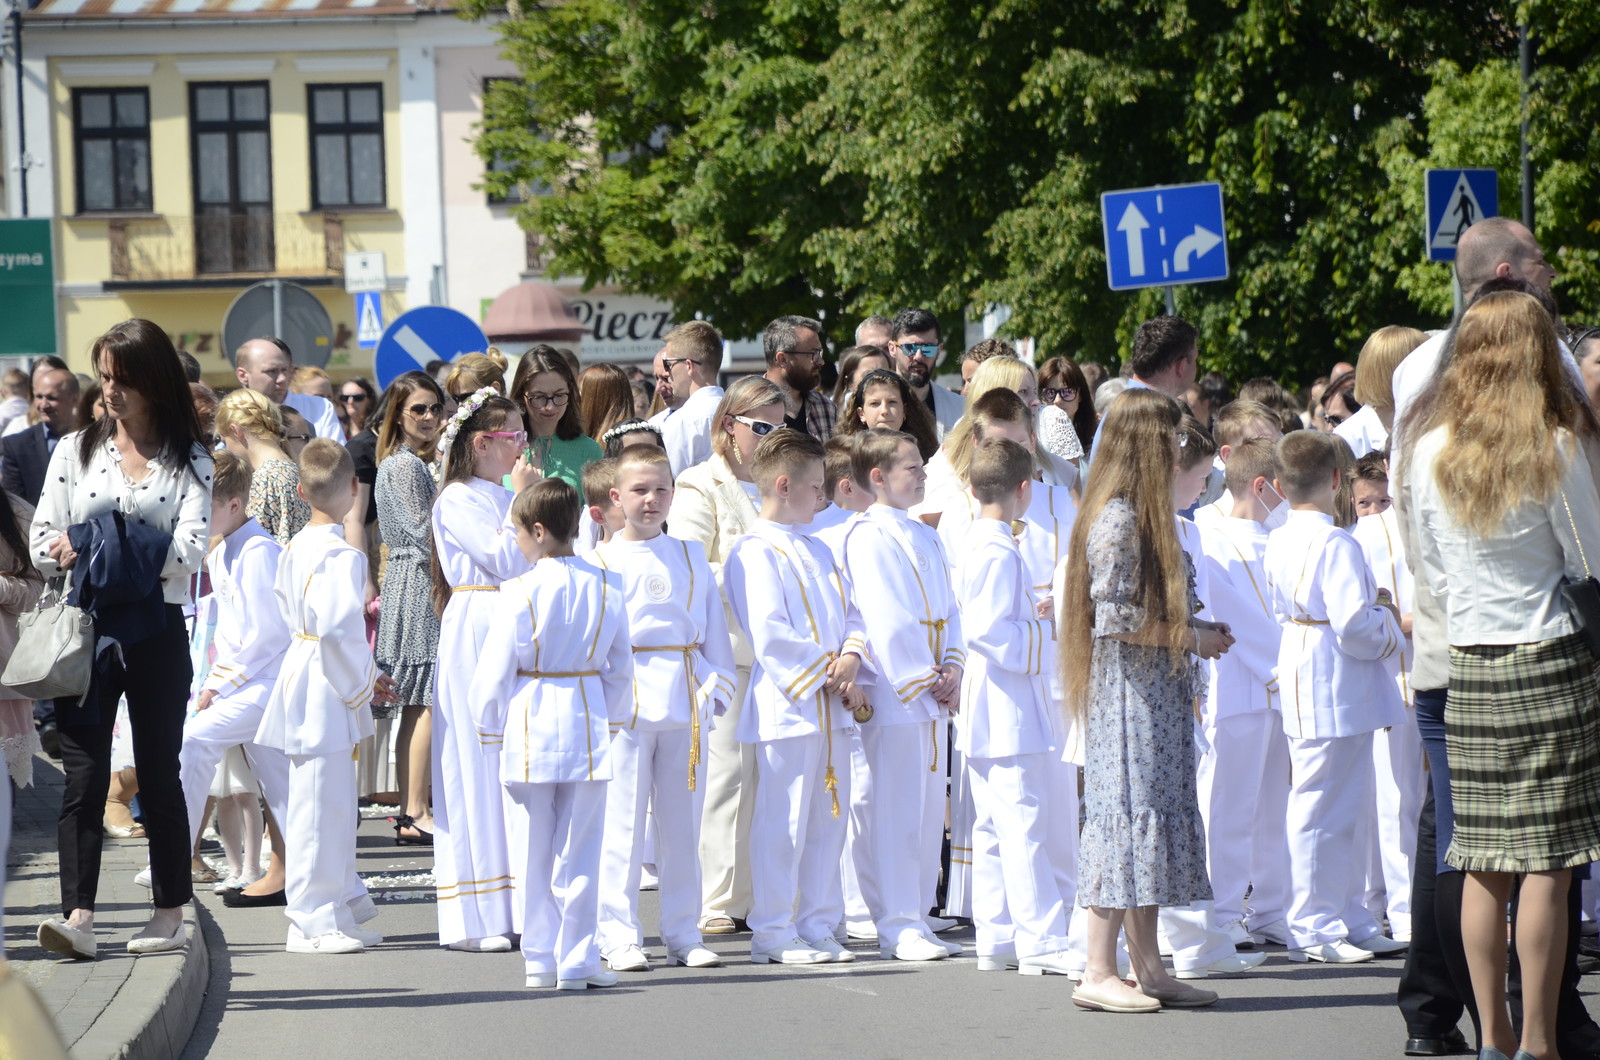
x: 1159, y: 237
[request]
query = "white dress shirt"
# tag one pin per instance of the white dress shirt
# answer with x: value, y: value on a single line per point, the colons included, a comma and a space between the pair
x: 687, y: 432
x: 319, y: 412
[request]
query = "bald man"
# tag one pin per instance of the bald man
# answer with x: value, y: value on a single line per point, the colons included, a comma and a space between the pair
x: 265, y: 365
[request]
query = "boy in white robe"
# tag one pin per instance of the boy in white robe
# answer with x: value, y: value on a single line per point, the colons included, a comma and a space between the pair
x: 553, y: 676
x: 1236, y: 422
x: 683, y: 671
x: 1006, y: 729
x: 1337, y: 630
x: 902, y: 582
x: 1397, y: 750
x: 788, y: 597
x: 603, y: 516
x: 321, y: 706
x: 1244, y: 777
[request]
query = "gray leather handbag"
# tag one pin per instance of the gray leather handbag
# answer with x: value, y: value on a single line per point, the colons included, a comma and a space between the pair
x: 54, y: 657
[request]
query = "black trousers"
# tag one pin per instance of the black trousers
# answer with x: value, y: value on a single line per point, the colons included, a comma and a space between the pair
x: 155, y: 676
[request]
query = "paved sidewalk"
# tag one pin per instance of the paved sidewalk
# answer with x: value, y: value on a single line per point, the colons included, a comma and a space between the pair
x: 118, y: 1006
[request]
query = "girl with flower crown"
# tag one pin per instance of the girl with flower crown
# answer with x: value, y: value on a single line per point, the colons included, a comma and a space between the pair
x: 474, y: 550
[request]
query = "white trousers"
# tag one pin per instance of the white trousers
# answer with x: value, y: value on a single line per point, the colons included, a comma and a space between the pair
x: 1244, y: 792
x: 960, y: 881
x: 1061, y: 826
x: 905, y: 822
x: 795, y: 841
x: 319, y: 835
x: 472, y: 856
x: 207, y: 738
x: 562, y: 895
x: 1016, y: 899
x: 1329, y: 796
x: 1400, y: 780
x: 646, y: 764
x: 725, y: 821
x: 855, y: 867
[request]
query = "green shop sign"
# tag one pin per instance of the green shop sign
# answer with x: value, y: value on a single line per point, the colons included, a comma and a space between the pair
x: 27, y: 288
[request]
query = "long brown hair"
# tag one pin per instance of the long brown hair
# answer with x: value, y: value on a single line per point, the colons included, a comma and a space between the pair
x: 1504, y: 400
x: 143, y: 359
x: 392, y: 429
x: 605, y: 398
x: 548, y: 359
x: 918, y: 422
x: 461, y: 465
x: 1064, y: 371
x: 1134, y: 463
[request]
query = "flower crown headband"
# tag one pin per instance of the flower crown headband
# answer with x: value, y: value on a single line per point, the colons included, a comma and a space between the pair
x: 453, y: 427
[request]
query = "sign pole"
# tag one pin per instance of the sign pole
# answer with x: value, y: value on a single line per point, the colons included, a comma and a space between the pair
x: 1172, y: 307
x: 277, y: 308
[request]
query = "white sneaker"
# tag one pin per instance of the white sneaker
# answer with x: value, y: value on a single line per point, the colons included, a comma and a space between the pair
x: 596, y: 980
x: 996, y: 962
x: 796, y: 951
x: 861, y: 930
x: 915, y: 948
x: 1047, y: 964
x: 143, y: 879
x: 628, y: 959
x: 493, y: 944
x: 1341, y: 952
x: 331, y: 942
x: 937, y: 924
x: 1381, y: 946
x: 1275, y: 932
x: 830, y: 945
x: 648, y: 881
x: 364, y: 936
x: 695, y: 956
x: 1233, y: 964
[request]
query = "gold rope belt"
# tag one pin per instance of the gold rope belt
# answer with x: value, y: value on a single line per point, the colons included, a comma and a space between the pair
x: 687, y: 651
x: 1309, y: 621
x: 475, y: 588
x: 306, y: 636
x: 558, y: 673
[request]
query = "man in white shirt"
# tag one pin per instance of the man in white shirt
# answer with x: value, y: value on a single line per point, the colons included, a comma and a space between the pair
x: 692, y: 358
x: 266, y: 365
x: 670, y: 401
x: 915, y: 345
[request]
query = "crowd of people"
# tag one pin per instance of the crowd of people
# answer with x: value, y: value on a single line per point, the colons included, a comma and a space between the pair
x: 1124, y: 669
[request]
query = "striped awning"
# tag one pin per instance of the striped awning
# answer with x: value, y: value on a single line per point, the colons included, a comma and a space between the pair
x: 97, y: 10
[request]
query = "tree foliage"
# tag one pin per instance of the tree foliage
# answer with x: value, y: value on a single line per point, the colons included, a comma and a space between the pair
x: 843, y: 157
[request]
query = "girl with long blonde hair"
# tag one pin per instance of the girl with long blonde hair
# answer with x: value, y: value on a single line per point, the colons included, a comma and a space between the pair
x: 1127, y: 635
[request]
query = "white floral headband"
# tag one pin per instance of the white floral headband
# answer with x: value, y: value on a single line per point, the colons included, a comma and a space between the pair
x: 453, y: 427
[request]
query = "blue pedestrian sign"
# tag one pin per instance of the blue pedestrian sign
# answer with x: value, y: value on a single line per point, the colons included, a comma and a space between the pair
x: 369, y: 318
x: 1457, y: 199
x: 1160, y: 237
x: 428, y: 333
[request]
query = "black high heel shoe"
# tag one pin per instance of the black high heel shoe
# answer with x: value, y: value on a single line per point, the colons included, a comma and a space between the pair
x: 423, y: 838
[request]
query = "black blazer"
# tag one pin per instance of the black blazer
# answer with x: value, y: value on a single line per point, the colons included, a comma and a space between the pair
x: 26, y: 460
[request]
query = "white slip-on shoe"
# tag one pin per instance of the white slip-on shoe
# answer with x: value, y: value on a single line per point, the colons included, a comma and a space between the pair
x: 951, y: 947
x: 330, y: 942
x: 542, y: 980
x: 58, y: 936
x: 830, y: 945
x: 1059, y: 963
x: 1233, y: 964
x: 628, y: 958
x: 140, y: 945
x: 695, y: 956
x: 598, y: 979
x: 1237, y: 934
x: 492, y: 944
x: 796, y: 951
x: 1339, y: 952
x: 143, y: 879
x: 1381, y: 946
x: 915, y: 948
x: 997, y: 962
x: 861, y: 930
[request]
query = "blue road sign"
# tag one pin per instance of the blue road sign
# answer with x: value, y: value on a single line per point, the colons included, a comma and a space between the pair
x: 1457, y: 199
x: 1159, y: 237
x: 369, y: 318
x: 428, y: 333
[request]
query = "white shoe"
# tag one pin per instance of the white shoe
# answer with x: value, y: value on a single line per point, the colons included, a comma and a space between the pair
x: 648, y: 881
x: 1341, y: 952
x: 597, y: 980
x: 1275, y: 932
x: 695, y: 956
x: 365, y: 937
x: 142, y: 944
x: 830, y: 945
x: 143, y: 879
x: 331, y: 942
x: 996, y: 962
x: 628, y: 959
x: 915, y: 948
x: 1381, y: 946
x: 861, y: 930
x: 493, y: 944
x: 1233, y: 964
x: 1047, y: 964
x: 224, y: 884
x: 540, y: 980
x: 58, y: 936
x: 796, y: 951
x: 937, y: 924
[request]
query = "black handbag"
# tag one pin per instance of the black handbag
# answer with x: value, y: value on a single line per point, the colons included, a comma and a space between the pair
x: 1583, y: 596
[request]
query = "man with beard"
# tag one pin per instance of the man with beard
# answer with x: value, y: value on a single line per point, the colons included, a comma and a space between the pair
x: 915, y: 343
x: 793, y: 347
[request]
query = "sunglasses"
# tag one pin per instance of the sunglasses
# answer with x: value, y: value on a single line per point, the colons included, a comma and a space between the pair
x: 518, y: 436
x: 1065, y: 393
x: 347, y: 398
x: 925, y: 350
x: 669, y: 363
x: 435, y: 409
x: 759, y: 428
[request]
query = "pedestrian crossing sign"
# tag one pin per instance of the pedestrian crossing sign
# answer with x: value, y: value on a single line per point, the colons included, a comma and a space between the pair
x: 1456, y: 200
x: 369, y: 319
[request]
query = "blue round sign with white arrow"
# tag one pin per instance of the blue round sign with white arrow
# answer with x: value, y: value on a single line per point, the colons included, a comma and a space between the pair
x: 427, y: 333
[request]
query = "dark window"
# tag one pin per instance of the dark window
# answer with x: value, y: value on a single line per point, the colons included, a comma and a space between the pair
x: 518, y: 192
x: 346, y: 145
x: 232, y: 176
x: 112, y: 148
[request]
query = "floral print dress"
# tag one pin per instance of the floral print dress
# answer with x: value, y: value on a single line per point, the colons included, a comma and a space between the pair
x: 275, y: 500
x: 1143, y: 839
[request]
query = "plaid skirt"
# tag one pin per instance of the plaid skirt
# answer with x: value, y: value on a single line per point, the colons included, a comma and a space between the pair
x: 1522, y: 730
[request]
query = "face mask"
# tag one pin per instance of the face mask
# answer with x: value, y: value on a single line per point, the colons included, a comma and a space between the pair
x: 1279, y: 515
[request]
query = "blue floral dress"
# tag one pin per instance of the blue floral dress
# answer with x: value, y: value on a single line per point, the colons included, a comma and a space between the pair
x: 1143, y: 839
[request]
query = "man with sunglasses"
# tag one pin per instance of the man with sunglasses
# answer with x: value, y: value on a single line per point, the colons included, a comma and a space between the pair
x: 793, y: 346
x: 266, y: 365
x: 915, y: 342
x: 692, y: 358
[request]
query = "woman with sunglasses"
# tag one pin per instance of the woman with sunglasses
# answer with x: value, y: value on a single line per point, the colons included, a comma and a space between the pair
x: 408, y: 628
x: 547, y: 392
x: 716, y: 503
x: 470, y: 373
x: 354, y: 405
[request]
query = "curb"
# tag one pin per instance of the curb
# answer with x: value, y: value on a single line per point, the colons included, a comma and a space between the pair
x: 161, y: 997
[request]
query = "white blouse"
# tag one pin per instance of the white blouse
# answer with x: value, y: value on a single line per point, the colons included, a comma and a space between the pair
x: 170, y: 498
